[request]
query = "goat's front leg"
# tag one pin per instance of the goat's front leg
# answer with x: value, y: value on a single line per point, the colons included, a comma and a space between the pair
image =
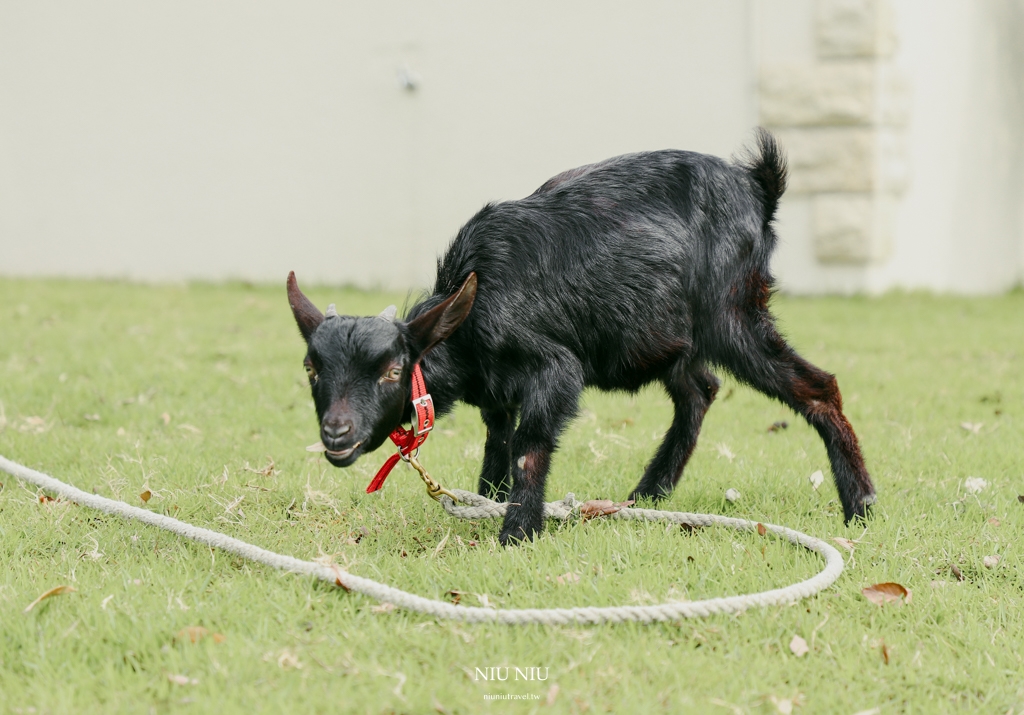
x: 551, y: 402
x: 495, y: 481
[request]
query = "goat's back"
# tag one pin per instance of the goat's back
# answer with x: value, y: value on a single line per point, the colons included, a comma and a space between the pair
x: 610, y: 265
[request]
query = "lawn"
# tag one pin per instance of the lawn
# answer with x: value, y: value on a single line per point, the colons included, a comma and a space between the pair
x: 196, y: 394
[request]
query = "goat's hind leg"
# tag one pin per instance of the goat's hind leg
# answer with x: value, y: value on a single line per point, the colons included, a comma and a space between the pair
x: 764, y: 360
x: 693, y: 389
x: 495, y: 479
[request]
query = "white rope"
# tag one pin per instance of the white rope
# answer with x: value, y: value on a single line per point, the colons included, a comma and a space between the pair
x: 479, y: 508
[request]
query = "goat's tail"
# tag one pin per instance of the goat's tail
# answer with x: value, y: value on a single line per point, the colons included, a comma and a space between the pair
x: 766, y: 165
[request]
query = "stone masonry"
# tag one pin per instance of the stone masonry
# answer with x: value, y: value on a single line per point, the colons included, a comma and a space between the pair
x: 842, y: 122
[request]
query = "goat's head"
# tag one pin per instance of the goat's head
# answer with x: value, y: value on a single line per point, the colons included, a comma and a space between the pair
x: 360, y: 368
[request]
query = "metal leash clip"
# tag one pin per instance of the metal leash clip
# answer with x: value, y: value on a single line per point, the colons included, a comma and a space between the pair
x: 434, y: 489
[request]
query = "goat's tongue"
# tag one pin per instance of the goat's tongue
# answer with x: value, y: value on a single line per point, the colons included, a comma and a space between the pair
x: 318, y: 447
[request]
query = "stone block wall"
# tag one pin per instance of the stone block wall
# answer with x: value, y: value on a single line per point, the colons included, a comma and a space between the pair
x: 842, y: 120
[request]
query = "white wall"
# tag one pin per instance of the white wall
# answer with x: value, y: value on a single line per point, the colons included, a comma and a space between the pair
x: 164, y: 141
x: 168, y: 141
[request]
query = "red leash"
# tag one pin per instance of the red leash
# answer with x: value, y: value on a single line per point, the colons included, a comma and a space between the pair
x: 409, y: 441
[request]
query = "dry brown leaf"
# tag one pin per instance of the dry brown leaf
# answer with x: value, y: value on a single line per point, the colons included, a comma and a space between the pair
x: 848, y: 544
x: 888, y: 592
x: 192, y: 634
x: 552, y: 695
x: 568, y: 577
x: 956, y: 572
x: 337, y: 574
x: 146, y: 496
x: 44, y: 498
x: 181, y: 679
x: 761, y: 531
x: 602, y: 507
x: 798, y: 646
x: 455, y: 596
x: 166, y: 418
x: 55, y: 591
x: 885, y: 653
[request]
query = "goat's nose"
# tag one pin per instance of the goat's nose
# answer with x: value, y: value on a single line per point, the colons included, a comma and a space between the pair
x: 334, y: 430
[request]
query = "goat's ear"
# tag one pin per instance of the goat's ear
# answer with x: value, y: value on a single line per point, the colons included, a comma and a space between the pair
x: 441, y: 321
x: 306, y: 314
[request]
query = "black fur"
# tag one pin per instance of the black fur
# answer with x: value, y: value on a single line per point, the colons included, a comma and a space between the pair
x: 644, y: 267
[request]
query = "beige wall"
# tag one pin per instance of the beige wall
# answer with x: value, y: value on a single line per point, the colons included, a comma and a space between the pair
x: 169, y: 141
x: 213, y: 140
x: 958, y: 219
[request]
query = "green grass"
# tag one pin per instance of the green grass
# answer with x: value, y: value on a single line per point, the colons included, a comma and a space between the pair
x: 190, y: 392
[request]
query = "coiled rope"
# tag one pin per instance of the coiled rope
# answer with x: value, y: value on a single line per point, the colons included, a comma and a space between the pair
x: 480, y: 507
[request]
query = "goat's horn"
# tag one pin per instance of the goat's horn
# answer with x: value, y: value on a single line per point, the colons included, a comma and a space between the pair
x: 332, y: 312
x: 388, y: 314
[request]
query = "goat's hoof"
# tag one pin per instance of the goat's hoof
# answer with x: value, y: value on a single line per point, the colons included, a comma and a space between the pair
x: 861, y: 511
x: 515, y: 535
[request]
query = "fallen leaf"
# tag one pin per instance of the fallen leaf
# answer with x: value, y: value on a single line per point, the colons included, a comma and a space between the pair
x: 780, y: 425
x: 194, y: 634
x: 455, y: 596
x: 602, y: 507
x: 181, y: 679
x: 568, y: 577
x: 383, y: 608
x: 166, y: 418
x: 888, y: 592
x: 44, y: 498
x: 761, y: 531
x: 816, y: 479
x: 972, y: 427
x: 798, y: 646
x: 847, y: 544
x: 337, y: 576
x: 288, y: 660
x: 35, y: 425
x: 55, y: 591
x: 991, y: 561
x: 145, y: 496
x: 885, y: 653
x: 552, y: 694
x: 731, y: 495
x: 956, y: 572
x: 975, y: 485
x: 994, y: 521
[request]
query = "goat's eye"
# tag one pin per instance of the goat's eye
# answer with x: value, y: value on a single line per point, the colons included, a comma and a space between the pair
x: 392, y: 375
x: 312, y: 373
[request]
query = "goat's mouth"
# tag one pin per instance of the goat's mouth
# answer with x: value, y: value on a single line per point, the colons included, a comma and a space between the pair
x: 343, y: 457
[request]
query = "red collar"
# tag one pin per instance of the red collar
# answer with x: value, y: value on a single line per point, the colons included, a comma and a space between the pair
x: 409, y: 440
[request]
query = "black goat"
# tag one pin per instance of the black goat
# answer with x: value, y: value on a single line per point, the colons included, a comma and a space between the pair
x: 644, y: 267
